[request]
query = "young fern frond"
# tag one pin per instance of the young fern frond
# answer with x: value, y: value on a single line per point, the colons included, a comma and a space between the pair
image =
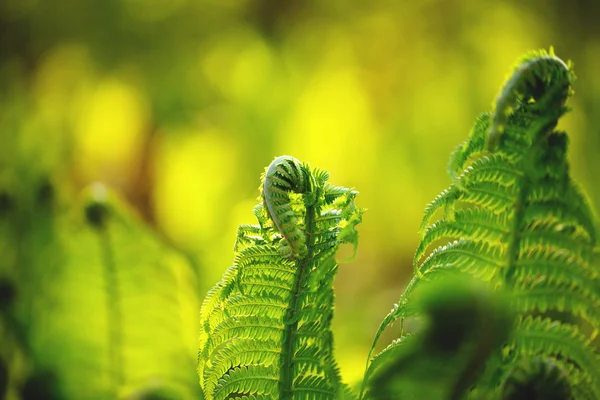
x: 265, y: 327
x: 514, y: 218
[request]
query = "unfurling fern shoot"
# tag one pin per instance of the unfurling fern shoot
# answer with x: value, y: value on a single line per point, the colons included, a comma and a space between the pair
x: 514, y: 218
x: 529, y: 83
x: 286, y: 175
x: 266, y: 326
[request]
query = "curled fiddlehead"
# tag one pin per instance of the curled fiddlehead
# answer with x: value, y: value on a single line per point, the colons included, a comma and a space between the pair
x: 284, y: 176
x: 540, y: 82
x: 530, y: 82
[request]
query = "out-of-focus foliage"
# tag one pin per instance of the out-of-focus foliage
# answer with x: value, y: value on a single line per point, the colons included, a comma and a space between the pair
x: 179, y: 105
x: 465, y: 323
x: 101, y: 307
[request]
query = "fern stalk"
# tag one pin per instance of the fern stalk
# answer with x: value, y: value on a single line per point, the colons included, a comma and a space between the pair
x: 96, y: 214
x: 287, y: 355
x: 114, y: 320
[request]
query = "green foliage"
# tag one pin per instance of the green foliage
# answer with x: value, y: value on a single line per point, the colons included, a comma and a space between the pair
x: 464, y: 324
x: 514, y: 218
x: 503, y: 305
x: 266, y: 326
x: 97, y: 307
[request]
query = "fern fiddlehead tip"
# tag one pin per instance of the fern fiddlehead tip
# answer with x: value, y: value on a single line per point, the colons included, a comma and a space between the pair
x: 533, y: 75
x: 283, y: 176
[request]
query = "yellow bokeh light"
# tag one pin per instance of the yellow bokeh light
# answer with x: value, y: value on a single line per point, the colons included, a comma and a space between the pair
x: 331, y: 123
x: 110, y: 130
x: 194, y: 170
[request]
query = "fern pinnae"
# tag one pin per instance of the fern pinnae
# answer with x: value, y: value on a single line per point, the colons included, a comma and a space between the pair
x: 532, y: 297
x: 492, y: 195
x: 585, y: 215
x: 553, y: 271
x: 470, y: 149
x: 248, y: 234
x: 557, y: 235
x: 248, y: 380
x: 539, y: 335
x: 495, y: 168
x: 474, y: 224
x: 443, y: 201
x: 272, y: 310
x: 478, y: 258
x: 241, y: 352
x: 553, y: 248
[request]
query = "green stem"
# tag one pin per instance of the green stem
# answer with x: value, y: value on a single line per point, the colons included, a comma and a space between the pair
x: 286, y: 381
x: 525, y: 184
x: 114, y: 317
x: 515, y: 236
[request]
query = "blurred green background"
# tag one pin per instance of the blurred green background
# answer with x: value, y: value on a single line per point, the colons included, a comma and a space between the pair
x: 178, y: 106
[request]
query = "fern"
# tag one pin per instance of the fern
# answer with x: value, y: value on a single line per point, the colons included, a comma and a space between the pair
x: 514, y: 218
x: 108, y: 310
x: 266, y: 324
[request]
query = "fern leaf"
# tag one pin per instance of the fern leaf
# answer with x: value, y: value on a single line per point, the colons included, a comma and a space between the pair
x: 471, y: 148
x: 514, y: 217
x: 473, y: 224
x: 266, y: 326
